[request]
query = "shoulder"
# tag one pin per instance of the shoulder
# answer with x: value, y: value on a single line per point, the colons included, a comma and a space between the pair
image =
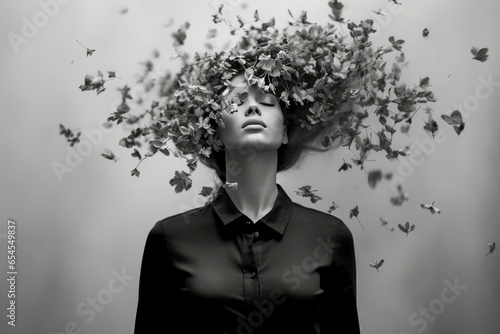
x: 183, y: 220
x: 315, y: 217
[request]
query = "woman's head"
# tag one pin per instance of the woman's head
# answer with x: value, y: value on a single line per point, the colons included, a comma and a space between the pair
x: 325, y: 86
x: 258, y: 122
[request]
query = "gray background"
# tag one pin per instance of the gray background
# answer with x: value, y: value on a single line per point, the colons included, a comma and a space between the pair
x: 73, y: 234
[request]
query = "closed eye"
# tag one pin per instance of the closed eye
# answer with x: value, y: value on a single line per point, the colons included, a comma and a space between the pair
x: 267, y: 100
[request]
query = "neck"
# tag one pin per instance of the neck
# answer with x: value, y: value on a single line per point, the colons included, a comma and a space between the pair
x: 256, y: 178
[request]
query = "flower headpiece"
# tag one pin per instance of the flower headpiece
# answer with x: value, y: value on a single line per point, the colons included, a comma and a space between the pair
x: 321, y: 75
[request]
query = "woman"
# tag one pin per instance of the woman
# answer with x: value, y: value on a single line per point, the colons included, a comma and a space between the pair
x: 252, y: 261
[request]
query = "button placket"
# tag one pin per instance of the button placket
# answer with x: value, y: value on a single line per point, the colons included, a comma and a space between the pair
x: 250, y: 272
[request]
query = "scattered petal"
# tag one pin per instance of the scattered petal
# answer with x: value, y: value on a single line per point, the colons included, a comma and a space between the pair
x: 425, y: 33
x: 305, y: 191
x: 354, y: 213
x: 456, y: 120
x: 108, y: 154
x: 430, y: 207
x: 491, y: 248
x: 345, y: 166
x: 401, y: 197
x: 135, y: 172
x: 332, y: 207
x: 376, y: 264
x: 206, y: 191
x: 480, y: 55
x: 374, y: 176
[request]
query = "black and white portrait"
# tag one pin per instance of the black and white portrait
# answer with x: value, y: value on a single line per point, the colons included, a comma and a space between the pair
x: 230, y: 166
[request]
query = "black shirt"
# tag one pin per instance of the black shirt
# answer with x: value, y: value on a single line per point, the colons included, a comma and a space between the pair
x: 211, y: 270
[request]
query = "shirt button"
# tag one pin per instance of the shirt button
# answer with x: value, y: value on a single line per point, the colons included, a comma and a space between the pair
x: 252, y: 274
x: 256, y: 234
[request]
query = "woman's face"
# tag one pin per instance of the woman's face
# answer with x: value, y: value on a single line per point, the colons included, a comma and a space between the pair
x: 258, y: 123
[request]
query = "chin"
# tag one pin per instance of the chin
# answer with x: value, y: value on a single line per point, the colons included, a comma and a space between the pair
x: 257, y: 145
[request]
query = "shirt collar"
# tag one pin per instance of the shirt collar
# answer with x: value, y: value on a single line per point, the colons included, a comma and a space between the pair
x: 277, y: 219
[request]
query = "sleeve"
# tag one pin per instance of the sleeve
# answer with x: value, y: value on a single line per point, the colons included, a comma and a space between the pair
x: 155, y: 285
x: 338, y: 307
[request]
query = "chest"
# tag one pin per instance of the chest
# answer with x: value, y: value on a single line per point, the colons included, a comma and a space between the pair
x: 249, y: 267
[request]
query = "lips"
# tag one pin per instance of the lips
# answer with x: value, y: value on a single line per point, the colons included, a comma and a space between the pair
x: 254, y: 121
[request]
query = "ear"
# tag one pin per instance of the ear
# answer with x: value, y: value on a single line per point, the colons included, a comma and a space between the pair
x: 285, y: 135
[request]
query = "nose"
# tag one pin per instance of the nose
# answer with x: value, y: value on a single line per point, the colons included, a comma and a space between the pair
x: 252, y: 107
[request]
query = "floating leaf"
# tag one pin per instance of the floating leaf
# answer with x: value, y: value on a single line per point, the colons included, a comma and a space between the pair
x: 424, y: 83
x: 345, y: 166
x: 332, y: 207
x: 379, y: 12
x: 405, y: 128
x: 256, y: 15
x: 240, y: 21
x: 89, y: 51
x: 481, y: 55
x: 396, y: 44
x: 430, y: 207
x: 181, y: 181
x: 455, y: 119
x: 212, y: 33
x: 401, y: 196
x: 217, y: 18
x: 136, y: 154
x: 108, y: 154
x: 206, y: 191
x: 91, y: 83
x: 431, y: 125
x: 70, y: 136
x: 374, y: 176
x: 169, y: 23
x: 360, y: 162
x: 491, y: 248
x: 305, y: 191
x: 401, y: 58
x: 425, y: 33
x: 376, y: 264
x: 407, y: 228
x: 354, y: 213
x: 192, y: 163
x: 180, y: 35
x: 135, y: 172
x: 336, y: 10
